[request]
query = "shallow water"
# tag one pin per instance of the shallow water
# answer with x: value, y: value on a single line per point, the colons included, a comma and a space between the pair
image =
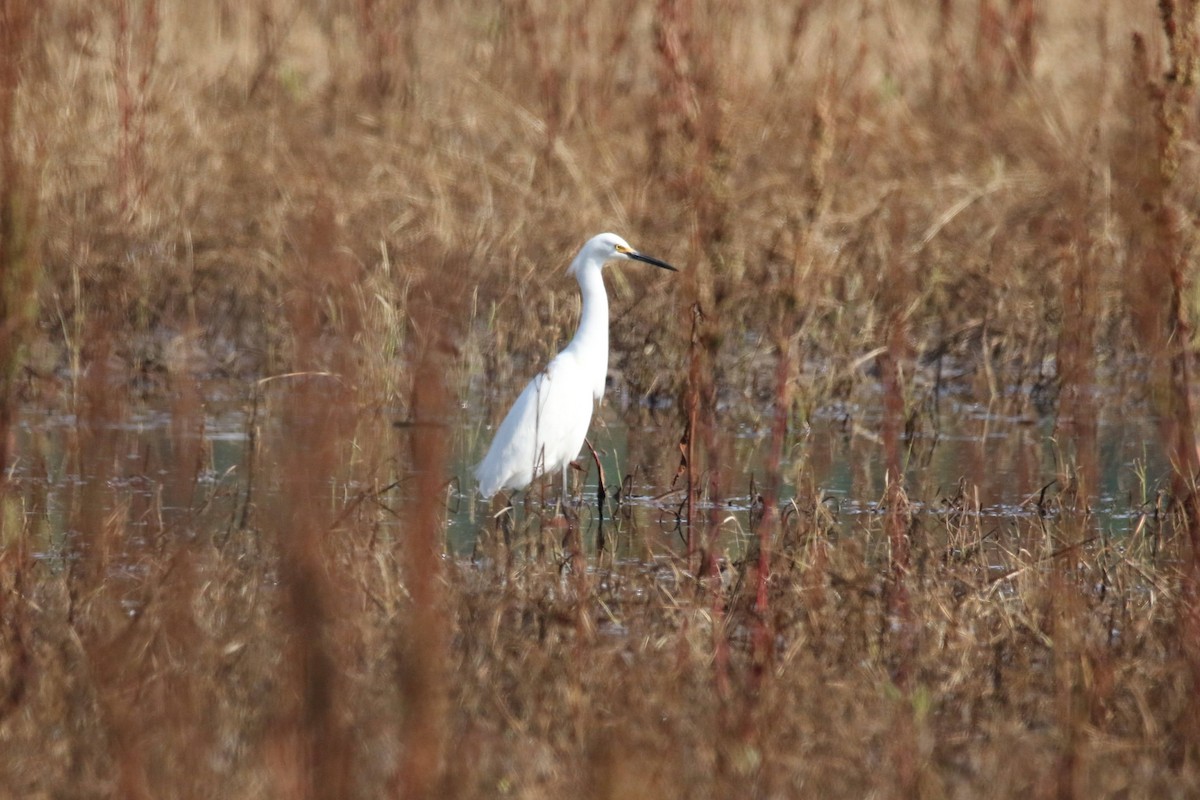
x: 998, y: 467
x: 169, y: 466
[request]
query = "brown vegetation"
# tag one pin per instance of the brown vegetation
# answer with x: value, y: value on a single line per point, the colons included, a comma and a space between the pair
x: 360, y: 211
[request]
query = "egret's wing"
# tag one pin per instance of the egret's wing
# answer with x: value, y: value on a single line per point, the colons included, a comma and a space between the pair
x: 543, y: 430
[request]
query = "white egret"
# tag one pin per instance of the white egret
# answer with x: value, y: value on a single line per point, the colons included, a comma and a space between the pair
x: 545, y: 428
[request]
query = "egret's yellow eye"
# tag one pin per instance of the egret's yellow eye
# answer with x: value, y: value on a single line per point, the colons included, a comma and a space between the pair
x: 620, y: 248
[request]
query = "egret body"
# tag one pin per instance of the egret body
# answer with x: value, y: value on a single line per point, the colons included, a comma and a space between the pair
x: 545, y: 428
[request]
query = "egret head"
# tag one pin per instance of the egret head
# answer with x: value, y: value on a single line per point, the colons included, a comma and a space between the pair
x: 608, y: 247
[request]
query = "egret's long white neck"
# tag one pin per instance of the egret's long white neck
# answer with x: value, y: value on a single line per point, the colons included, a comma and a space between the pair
x: 590, y: 343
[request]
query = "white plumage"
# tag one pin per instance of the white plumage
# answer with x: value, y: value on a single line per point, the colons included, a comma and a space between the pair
x: 544, y: 430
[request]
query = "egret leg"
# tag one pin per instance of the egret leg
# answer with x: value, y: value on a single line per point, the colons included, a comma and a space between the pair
x: 564, y: 491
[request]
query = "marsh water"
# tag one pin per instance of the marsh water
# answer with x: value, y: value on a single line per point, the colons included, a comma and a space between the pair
x: 162, y: 462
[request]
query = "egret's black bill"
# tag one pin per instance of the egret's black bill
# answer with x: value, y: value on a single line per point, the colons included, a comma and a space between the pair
x: 651, y: 260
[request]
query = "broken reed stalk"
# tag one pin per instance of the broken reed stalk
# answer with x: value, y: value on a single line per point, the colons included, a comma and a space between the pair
x: 899, y: 617
x: 423, y: 659
x: 894, y: 300
x: 703, y: 128
x: 318, y: 416
x: 893, y: 295
x: 20, y: 269
x: 424, y: 651
x: 671, y: 111
x: 688, y: 141
x: 313, y: 734
x: 1075, y: 427
x: 20, y: 273
x: 1080, y: 301
x: 698, y: 408
x: 763, y: 635
x: 691, y: 405
x: 19, y: 276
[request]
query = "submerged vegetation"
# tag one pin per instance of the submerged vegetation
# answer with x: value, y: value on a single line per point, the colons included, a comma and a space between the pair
x: 352, y: 216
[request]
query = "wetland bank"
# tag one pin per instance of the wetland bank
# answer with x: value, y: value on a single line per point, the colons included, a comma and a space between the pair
x: 900, y: 468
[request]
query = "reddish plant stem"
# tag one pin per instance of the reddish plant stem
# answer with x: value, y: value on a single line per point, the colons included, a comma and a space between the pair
x: 1019, y: 58
x: 689, y: 444
x: 424, y: 650
x: 1076, y: 423
x: 134, y: 42
x: 18, y: 271
x: 894, y: 301
x: 423, y: 734
x: 1164, y: 261
x: 763, y: 634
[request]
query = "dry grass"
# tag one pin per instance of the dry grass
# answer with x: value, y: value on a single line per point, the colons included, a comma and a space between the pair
x: 359, y: 209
